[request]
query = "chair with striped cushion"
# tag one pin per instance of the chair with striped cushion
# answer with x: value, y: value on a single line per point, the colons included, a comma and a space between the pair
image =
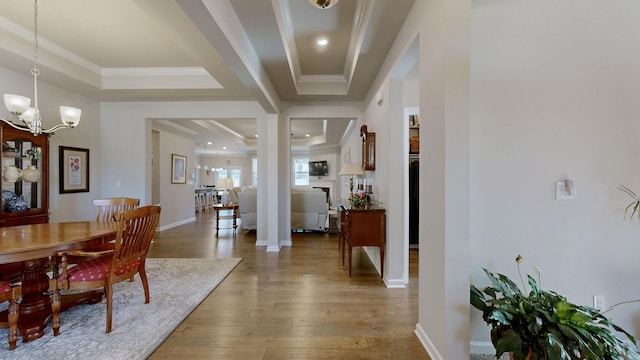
x: 106, y: 210
x: 11, y: 293
x: 136, y: 229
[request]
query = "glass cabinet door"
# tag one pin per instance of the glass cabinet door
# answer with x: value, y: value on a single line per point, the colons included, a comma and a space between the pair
x: 24, y: 177
x: 21, y: 164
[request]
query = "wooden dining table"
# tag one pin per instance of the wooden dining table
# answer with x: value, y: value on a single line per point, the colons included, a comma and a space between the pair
x: 34, y: 245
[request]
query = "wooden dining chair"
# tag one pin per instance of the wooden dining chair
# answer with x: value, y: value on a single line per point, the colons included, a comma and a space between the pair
x: 136, y: 229
x: 108, y: 207
x: 11, y: 293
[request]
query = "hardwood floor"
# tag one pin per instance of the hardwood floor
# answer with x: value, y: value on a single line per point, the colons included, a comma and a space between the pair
x: 295, y: 304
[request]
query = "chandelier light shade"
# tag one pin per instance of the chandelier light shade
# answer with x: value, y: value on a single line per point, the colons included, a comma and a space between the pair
x: 16, y: 104
x: 19, y: 106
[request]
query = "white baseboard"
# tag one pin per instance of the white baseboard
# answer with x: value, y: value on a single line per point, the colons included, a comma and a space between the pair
x: 427, y: 343
x: 287, y: 242
x: 395, y: 283
x: 273, y: 248
x: 262, y: 243
x: 182, y: 222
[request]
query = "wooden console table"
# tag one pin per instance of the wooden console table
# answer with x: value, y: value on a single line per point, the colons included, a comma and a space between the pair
x: 362, y: 227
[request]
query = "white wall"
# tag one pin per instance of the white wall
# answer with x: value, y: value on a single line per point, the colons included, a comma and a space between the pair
x: 63, y: 207
x: 175, y: 210
x: 554, y: 95
x: 379, y: 120
x: 330, y: 154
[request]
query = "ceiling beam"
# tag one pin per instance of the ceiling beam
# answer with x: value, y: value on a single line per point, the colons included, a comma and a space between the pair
x: 219, y: 23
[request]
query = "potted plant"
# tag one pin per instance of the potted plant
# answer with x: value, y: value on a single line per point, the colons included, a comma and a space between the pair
x: 541, y: 324
x: 634, y: 206
x: 360, y: 201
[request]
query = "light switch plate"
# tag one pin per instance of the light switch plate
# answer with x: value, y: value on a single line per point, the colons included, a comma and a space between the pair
x: 565, y: 190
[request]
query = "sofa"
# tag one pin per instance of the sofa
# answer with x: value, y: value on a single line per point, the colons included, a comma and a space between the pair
x: 309, y: 208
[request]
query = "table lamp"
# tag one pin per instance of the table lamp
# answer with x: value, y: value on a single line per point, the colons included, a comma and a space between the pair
x: 225, y: 184
x: 351, y: 169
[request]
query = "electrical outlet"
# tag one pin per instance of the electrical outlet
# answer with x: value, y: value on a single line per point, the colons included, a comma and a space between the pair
x: 599, y: 302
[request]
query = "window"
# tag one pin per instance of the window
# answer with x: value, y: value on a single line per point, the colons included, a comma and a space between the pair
x: 234, y: 173
x: 254, y: 171
x: 301, y: 171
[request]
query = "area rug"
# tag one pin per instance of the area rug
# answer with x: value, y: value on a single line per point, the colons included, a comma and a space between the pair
x: 177, y: 286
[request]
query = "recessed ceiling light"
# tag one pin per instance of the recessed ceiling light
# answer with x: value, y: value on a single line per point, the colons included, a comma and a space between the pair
x: 224, y: 148
x: 256, y: 135
x: 307, y: 135
x: 209, y: 143
x: 322, y: 42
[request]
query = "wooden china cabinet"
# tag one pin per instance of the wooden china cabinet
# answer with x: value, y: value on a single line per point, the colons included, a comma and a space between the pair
x: 23, y: 202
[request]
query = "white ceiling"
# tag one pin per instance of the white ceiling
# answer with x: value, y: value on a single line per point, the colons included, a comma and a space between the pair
x: 193, y: 50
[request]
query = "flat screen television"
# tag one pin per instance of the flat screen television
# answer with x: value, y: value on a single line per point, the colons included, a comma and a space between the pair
x: 318, y: 168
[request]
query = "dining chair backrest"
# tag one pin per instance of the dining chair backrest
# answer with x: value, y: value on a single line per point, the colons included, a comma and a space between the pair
x: 107, y: 208
x: 136, y: 229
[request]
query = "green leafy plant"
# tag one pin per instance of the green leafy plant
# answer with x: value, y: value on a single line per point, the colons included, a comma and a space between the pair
x: 359, y: 201
x: 634, y: 206
x: 544, y: 325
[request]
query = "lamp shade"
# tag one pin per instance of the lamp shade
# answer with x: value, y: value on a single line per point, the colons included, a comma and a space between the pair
x: 351, y: 169
x: 225, y: 184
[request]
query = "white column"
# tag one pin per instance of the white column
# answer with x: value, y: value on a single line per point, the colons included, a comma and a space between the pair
x: 444, y: 177
x: 263, y: 184
x: 396, y: 269
x: 271, y: 182
x: 284, y: 179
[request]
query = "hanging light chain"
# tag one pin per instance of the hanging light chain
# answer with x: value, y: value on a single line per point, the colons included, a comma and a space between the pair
x: 35, y: 38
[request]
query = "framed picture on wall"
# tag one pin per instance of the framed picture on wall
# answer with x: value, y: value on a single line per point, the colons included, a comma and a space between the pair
x: 178, y: 169
x: 74, y: 170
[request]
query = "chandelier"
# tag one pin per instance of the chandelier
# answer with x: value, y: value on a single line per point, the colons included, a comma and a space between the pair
x: 19, y: 106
